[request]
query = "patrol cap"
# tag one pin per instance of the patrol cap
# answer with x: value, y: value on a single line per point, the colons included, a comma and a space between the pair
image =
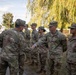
x: 41, y: 28
x: 73, y: 26
x: 53, y: 23
x: 33, y: 24
x: 20, y: 22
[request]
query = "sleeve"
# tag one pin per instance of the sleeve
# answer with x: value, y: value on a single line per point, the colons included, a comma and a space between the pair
x: 41, y: 40
x: 74, y: 47
x: 21, y: 40
x: 22, y: 44
x: 64, y: 43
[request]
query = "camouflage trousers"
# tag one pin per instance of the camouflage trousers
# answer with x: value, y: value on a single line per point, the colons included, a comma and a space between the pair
x: 41, y: 61
x: 34, y: 56
x: 28, y: 55
x: 27, y: 52
x: 42, y: 54
x: 21, y: 61
x: 53, y: 66
x: 71, y: 67
x: 12, y: 64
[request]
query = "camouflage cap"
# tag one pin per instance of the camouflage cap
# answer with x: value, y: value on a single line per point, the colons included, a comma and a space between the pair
x: 41, y: 28
x: 20, y: 22
x: 73, y: 25
x: 53, y: 23
x: 33, y: 24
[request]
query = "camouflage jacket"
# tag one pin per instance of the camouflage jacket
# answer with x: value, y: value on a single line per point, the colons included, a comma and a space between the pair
x: 34, y: 37
x: 39, y: 37
x: 56, y: 42
x: 71, y: 49
x: 42, y: 48
x: 12, y: 43
x: 27, y: 34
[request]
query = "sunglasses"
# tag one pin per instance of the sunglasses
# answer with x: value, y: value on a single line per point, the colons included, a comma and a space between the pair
x: 72, y: 28
x: 50, y: 26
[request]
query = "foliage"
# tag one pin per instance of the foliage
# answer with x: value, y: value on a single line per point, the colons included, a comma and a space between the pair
x: 8, y: 20
x: 43, y: 11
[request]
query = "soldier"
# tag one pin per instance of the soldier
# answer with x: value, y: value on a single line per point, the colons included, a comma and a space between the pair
x: 34, y: 35
x: 22, y: 53
x: 34, y: 39
x: 12, y: 44
x: 71, y: 51
x: 57, y: 44
x: 27, y: 41
x: 27, y: 34
x: 42, y: 51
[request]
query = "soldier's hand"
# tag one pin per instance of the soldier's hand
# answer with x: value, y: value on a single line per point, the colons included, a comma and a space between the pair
x: 33, y: 46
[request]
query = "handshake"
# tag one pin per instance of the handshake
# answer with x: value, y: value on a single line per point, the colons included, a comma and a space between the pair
x: 28, y: 49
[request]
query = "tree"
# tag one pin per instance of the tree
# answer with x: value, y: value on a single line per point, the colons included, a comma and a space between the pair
x: 43, y: 11
x: 7, y: 20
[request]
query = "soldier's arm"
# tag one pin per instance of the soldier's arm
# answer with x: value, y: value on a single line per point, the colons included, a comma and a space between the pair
x: 22, y: 45
x: 40, y: 42
x: 74, y: 48
x: 64, y: 43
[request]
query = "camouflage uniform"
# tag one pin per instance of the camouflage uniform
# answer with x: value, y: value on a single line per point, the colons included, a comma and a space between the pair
x: 12, y: 46
x: 71, y: 54
x: 27, y: 36
x: 21, y: 56
x: 56, y: 46
x: 34, y: 37
x: 27, y: 41
x: 42, y: 52
x: 12, y: 50
x: 33, y: 40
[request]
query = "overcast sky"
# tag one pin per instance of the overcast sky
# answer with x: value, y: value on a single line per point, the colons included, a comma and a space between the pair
x: 16, y: 7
